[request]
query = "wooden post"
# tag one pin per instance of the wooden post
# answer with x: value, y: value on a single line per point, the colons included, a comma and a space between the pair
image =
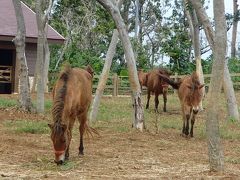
x: 115, y: 85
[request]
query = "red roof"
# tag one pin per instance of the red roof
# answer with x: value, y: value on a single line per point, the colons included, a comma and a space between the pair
x: 8, y: 24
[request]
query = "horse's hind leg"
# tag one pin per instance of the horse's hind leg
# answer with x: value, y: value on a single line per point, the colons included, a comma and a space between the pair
x: 165, y: 101
x: 156, y: 102
x: 82, y: 120
x: 148, y: 98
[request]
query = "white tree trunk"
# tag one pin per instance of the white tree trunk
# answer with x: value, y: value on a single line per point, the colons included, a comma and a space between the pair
x: 229, y: 93
x: 19, y: 41
x: 46, y: 63
x: 42, y: 52
x: 216, y: 156
x: 233, y: 113
x: 104, y: 76
x: 110, y: 5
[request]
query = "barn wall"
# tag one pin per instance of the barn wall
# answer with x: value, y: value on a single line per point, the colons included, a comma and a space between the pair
x: 31, y: 55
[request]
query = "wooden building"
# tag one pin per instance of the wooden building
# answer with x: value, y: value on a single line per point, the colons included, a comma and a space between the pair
x: 8, y: 66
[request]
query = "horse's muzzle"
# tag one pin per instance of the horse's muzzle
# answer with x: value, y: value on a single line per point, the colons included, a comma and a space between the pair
x: 195, y: 111
x: 59, y: 162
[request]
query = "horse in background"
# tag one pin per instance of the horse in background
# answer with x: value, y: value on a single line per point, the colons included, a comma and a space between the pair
x: 72, y: 95
x: 190, y: 93
x: 154, y: 85
x: 142, y: 76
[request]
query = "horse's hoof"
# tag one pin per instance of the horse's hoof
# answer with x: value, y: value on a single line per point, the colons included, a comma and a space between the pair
x: 183, y: 135
x: 80, y: 154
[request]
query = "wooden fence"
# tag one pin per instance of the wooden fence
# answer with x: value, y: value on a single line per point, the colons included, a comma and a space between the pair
x: 5, y: 74
x: 119, y: 85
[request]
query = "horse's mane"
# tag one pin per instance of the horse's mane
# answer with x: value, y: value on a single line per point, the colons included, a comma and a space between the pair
x: 59, y: 98
x: 195, y: 78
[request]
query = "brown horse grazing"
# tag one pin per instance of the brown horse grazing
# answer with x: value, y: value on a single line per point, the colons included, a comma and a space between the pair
x: 157, y: 86
x: 72, y: 96
x: 190, y: 93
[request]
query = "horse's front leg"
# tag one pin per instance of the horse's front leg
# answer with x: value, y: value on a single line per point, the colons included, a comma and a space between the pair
x: 187, y: 125
x: 192, y: 124
x: 69, y: 134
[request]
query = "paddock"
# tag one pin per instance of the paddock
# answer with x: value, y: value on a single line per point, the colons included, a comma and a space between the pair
x: 120, y: 152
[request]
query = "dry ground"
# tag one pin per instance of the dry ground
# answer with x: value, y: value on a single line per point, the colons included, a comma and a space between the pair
x: 119, y: 152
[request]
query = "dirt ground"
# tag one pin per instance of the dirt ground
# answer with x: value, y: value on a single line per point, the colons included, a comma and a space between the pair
x: 112, y: 155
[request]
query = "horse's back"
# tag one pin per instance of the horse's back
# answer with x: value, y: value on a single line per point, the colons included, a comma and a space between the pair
x: 154, y: 81
x: 80, y: 87
x: 79, y: 90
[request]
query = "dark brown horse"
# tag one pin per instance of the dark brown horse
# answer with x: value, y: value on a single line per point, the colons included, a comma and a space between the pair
x: 190, y: 93
x: 72, y: 96
x: 156, y: 86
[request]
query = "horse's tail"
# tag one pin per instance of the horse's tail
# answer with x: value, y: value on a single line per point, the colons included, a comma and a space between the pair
x: 59, y: 94
x: 174, y: 84
x: 90, y: 131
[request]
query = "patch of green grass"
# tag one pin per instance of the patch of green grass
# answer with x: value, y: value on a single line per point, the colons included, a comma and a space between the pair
x: 46, y: 163
x: 26, y: 126
x: 122, y: 129
x: 5, y: 103
x: 112, y: 109
x: 47, y: 104
x: 230, y: 130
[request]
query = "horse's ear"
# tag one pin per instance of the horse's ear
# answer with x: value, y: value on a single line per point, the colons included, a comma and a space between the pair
x: 50, y: 126
x: 201, y: 86
x: 89, y: 69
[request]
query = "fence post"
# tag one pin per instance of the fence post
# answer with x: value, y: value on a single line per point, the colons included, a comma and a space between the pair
x: 115, y: 85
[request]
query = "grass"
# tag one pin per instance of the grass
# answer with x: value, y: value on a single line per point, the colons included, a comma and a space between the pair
x: 233, y: 160
x: 47, y: 104
x: 6, y: 103
x: 115, y: 114
x: 27, y: 126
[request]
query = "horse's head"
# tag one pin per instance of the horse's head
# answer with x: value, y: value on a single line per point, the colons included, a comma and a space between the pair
x: 60, y: 141
x: 196, y: 96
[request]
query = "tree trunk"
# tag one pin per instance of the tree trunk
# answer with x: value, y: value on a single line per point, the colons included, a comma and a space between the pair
x: 104, y: 76
x: 42, y: 52
x: 234, y: 29
x: 216, y: 156
x: 138, y: 121
x: 46, y: 62
x: 19, y: 41
x: 233, y: 113
x: 229, y: 93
